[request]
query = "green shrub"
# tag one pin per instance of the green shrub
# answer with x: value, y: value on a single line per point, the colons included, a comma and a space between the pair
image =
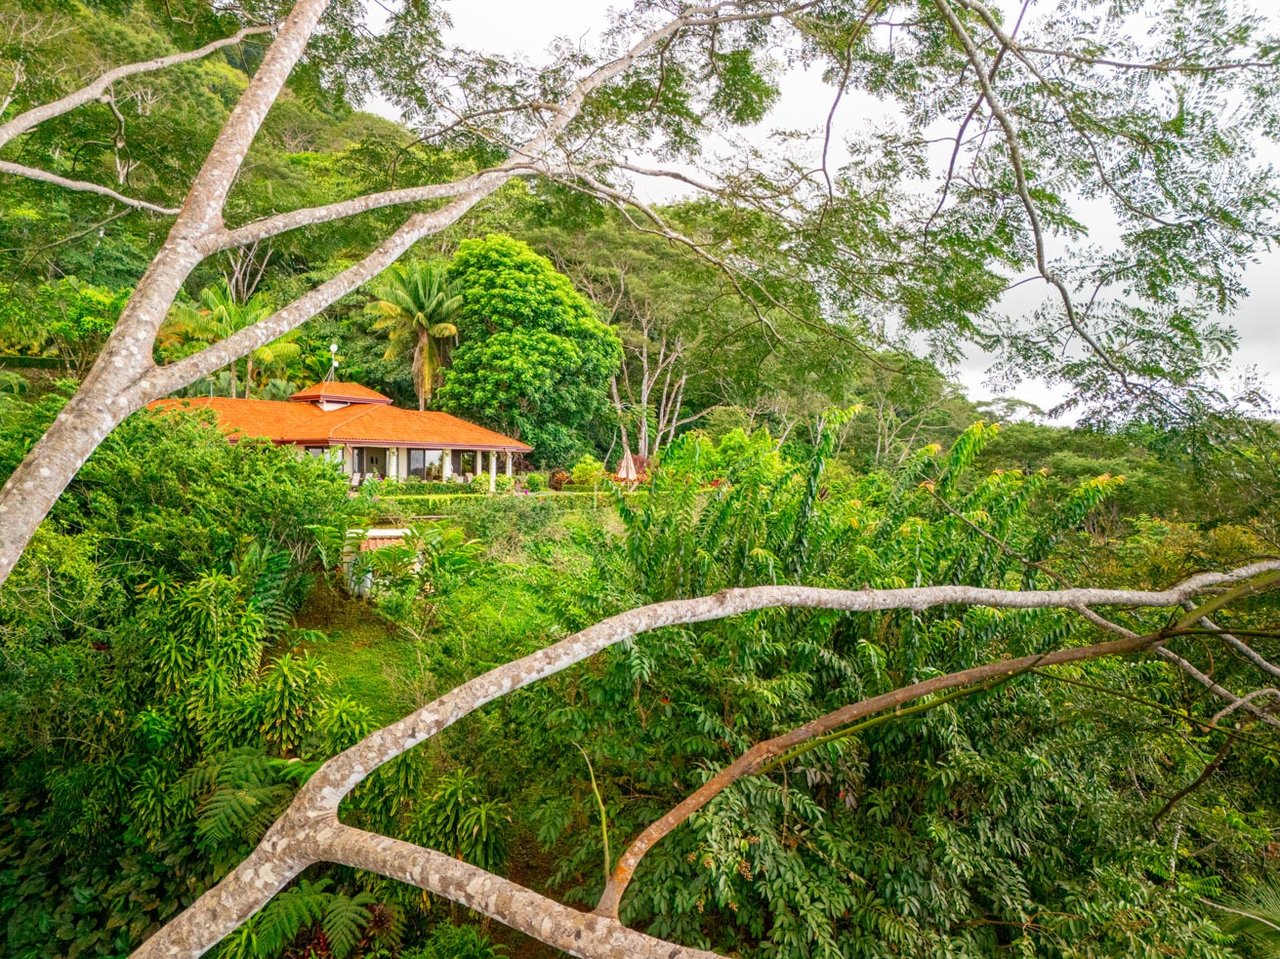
x: 405, y: 484
x: 479, y: 484
x: 535, y: 482
x: 505, y: 484
x: 503, y: 523
x: 587, y: 472
x: 447, y: 941
x: 459, y: 819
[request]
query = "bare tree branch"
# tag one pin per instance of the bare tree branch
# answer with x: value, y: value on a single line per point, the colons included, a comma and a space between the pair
x: 1006, y: 123
x: 960, y: 133
x: 1234, y: 702
x: 1244, y: 701
x: 30, y: 118
x: 1241, y: 647
x: 119, y: 381
x: 82, y: 186
x: 1209, y: 769
x: 1160, y: 66
x: 168, y: 378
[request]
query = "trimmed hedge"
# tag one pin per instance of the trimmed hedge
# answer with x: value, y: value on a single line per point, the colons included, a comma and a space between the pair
x: 407, y: 507
x: 422, y: 488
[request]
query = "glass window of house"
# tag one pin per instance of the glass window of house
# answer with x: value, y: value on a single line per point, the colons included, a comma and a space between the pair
x: 426, y: 464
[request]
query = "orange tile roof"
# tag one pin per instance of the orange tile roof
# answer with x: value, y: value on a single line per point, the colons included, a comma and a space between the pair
x: 343, y: 392
x: 361, y: 424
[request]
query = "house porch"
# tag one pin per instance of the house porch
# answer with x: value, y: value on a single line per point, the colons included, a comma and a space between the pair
x: 434, y: 464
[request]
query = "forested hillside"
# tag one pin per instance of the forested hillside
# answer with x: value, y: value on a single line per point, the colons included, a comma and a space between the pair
x: 776, y: 644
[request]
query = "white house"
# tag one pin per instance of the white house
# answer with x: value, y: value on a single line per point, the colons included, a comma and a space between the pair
x: 361, y: 429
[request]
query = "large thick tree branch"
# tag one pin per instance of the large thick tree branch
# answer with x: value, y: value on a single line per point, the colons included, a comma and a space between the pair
x: 308, y: 832
x: 119, y: 382
x: 574, y: 932
x: 36, y: 115
x: 266, y: 227
x: 217, y: 355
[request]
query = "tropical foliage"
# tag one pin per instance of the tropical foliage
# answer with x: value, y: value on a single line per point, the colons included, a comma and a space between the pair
x: 166, y: 690
x: 192, y: 631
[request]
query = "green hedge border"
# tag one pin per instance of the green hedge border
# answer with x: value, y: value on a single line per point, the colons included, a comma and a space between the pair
x: 420, y: 504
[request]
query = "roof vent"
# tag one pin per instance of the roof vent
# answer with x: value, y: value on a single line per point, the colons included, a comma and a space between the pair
x: 332, y: 394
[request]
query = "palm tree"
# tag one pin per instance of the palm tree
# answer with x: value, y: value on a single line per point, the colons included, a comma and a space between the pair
x: 217, y: 314
x: 1255, y: 917
x: 416, y: 305
x: 272, y: 358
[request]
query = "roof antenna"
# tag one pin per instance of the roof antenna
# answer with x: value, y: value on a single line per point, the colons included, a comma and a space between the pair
x: 331, y: 376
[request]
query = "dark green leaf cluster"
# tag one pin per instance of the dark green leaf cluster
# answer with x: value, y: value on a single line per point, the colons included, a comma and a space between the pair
x: 157, y: 711
x: 532, y: 359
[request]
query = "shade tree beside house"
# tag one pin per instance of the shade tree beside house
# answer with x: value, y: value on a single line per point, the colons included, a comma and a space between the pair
x: 533, y: 358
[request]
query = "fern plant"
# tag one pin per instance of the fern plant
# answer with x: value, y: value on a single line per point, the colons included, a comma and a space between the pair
x: 319, y: 919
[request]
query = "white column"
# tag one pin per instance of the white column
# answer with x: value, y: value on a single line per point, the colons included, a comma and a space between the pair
x: 393, y: 462
x: 493, y: 470
x: 446, y: 465
x: 510, y: 460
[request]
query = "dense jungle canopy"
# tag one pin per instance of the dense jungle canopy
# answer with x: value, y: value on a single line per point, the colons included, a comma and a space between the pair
x: 884, y: 670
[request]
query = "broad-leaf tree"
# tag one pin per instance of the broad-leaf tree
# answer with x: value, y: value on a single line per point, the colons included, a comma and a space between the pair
x: 532, y: 359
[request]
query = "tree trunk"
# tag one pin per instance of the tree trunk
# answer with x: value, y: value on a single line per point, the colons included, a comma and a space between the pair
x: 421, y: 367
x: 110, y: 392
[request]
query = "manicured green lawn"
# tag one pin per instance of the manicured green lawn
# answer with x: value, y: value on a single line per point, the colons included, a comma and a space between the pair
x: 368, y: 660
x: 495, y: 617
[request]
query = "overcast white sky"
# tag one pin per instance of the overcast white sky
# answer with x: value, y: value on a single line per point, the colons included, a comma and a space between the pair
x: 527, y: 27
